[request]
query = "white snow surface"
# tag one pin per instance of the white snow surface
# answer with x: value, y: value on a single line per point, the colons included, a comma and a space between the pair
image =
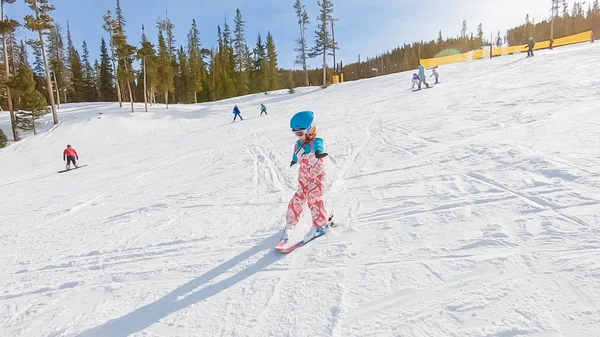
x: 471, y: 210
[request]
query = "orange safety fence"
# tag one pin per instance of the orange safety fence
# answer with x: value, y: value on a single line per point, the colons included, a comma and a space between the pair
x: 499, y: 51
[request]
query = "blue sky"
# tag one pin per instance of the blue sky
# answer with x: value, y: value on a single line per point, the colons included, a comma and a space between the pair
x: 365, y: 27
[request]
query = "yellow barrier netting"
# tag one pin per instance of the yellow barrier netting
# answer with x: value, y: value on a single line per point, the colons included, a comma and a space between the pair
x: 498, y: 51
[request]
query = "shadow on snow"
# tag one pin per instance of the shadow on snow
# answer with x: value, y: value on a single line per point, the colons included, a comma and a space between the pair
x: 188, y: 294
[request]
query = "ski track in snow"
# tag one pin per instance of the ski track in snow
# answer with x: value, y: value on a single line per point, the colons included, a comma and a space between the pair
x: 471, y: 210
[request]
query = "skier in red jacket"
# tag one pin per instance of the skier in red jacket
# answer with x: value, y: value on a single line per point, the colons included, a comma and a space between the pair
x: 69, y: 154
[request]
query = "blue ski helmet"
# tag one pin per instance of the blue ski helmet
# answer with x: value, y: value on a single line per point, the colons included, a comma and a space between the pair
x: 302, y: 120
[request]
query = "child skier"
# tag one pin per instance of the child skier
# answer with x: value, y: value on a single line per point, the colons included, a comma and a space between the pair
x: 435, y: 73
x: 415, y: 80
x: 309, y: 152
x: 263, y: 108
x: 236, y: 113
x: 69, y: 154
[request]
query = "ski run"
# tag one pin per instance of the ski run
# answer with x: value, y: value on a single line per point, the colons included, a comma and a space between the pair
x: 470, y: 210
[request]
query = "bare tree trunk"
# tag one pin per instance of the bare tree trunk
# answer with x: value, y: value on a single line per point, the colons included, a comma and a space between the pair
x: 333, y: 39
x: 145, y: 89
x: 56, y: 79
x: 13, y: 119
x: 12, y: 51
x: 48, y: 80
x: 128, y: 85
x: 324, y: 67
x: 57, y: 90
x: 306, y: 82
x: 118, y: 88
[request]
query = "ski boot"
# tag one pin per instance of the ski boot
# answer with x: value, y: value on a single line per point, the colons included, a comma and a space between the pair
x: 316, y: 231
x: 284, y: 237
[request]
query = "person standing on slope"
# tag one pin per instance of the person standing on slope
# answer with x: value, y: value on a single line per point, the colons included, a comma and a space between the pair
x: 435, y: 73
x: 530, y: 47
x: 309, y: 153
x: 69, y: 154
x: 236, y: 113
x: 415, y: 80
x: 422, y: 78
x: 263, y: 108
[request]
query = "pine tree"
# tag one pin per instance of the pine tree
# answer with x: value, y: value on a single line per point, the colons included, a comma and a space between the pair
x: 56, y: 55
x: 164, y: 69
x: 272, y: 67
x: 90, y: 93
x: 334, y: 44
x: 124, y: 51
x: 3, y: 139
x: 38, y: 64
x: 167, y: 26
x: 240, y: 49
x: 32, y: 103
x: 260, y: 80
x: 184, y: 76
x: 499, y: 40
x: 463, y: 31
x: 596, y: 7
x: 41, y: 22
x: 105, y: 76
x: 147, y: 55
x: 8, y: 26
x: 196, y: 64
x: 13, y: 51
x: 323, y: 40
x: 96, y: 78
x: 109, y: 28
x: 565, y: 9
x: 480, y: 33
x: 74, y: 62
x: 227, y: 62
x: 302, y: 46
x: 211, y: 80
x: 217, y: 67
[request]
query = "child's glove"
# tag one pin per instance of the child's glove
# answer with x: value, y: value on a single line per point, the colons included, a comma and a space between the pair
x: 320, y: 154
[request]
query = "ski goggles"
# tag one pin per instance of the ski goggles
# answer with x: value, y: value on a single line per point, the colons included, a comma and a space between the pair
x: 299, y: 132
x: 303, y: 132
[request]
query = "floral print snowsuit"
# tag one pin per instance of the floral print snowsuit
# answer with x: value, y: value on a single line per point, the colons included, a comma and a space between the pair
x: 311, y: 183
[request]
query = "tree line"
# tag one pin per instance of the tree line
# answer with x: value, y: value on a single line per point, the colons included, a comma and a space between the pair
x: 165, y: 71
x: 567, y: 21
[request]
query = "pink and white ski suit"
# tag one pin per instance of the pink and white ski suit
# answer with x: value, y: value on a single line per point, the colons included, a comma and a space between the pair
x: 311, y: 183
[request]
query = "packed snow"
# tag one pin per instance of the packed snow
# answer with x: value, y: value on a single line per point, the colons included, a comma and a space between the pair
x: 471, y: 209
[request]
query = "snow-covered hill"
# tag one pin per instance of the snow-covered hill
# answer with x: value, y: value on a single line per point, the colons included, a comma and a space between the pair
x: 471, y: 209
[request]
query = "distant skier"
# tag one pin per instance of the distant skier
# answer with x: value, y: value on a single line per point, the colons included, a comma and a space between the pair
x: 263, y: 108
x: 70, y: 155
x: 435, y: 73
x: 309, y: 151
x: 422, y: 78
x: 415, y: 80
x: 530, y: 47
x: 237, y: 113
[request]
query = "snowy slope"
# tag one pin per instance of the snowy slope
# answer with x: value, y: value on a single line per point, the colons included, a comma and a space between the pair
x: 471, y: 209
